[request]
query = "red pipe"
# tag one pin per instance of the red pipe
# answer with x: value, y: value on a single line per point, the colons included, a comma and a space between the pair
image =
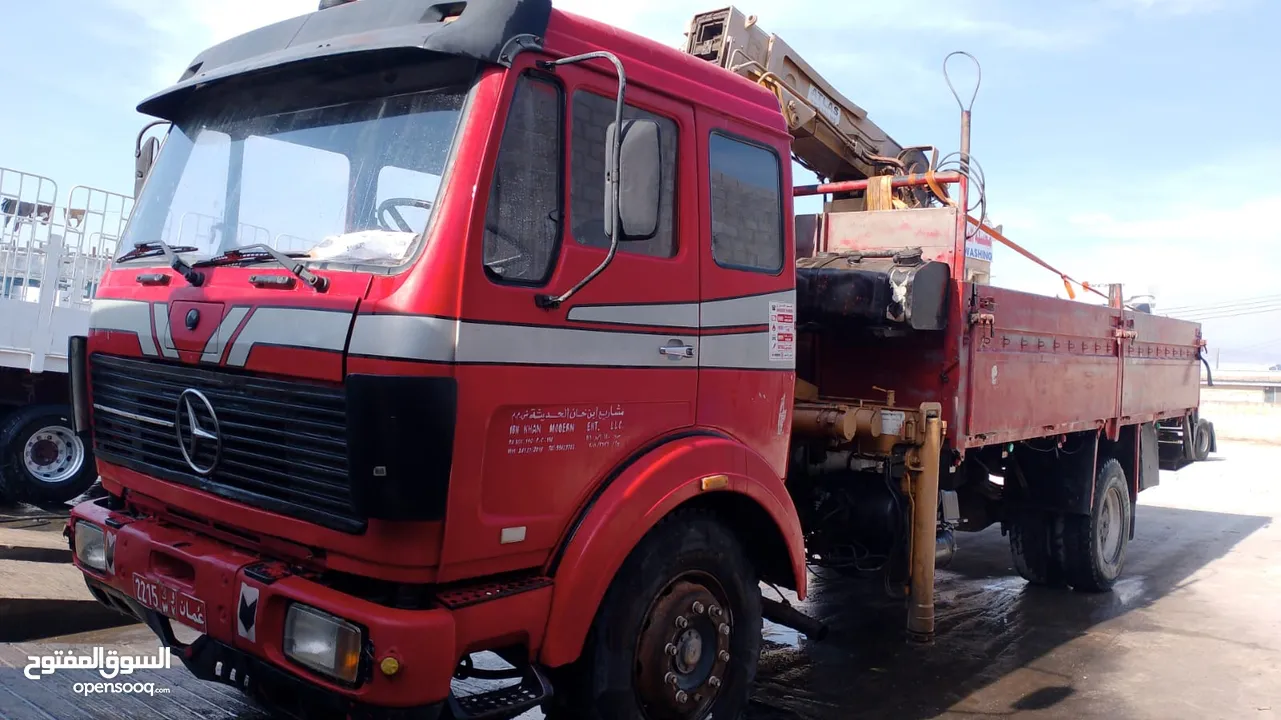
x: 943, y: 178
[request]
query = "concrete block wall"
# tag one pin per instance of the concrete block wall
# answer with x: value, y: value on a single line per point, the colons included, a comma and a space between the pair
x: 747, y: 227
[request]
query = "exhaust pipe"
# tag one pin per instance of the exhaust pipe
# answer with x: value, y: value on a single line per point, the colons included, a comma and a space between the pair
x: 944, y: 548
x: 788, y: 616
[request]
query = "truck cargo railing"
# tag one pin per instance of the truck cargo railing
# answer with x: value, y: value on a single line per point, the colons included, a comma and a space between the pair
x: 52, y: 254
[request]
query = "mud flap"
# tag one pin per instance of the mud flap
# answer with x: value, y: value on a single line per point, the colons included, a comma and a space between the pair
x: 1149, y: 457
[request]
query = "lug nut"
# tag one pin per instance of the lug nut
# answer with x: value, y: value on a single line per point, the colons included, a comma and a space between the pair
x: 682, y: 696
x: 724, y: 629
x: 671, y: 650
x: 698, y: 607
x: 724, y: 656
x: 714, y: 611
x: 681, y: 622
x: 714, y: 681
x: 670, y: 679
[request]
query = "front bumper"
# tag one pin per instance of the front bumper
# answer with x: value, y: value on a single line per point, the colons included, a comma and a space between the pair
x: 248, y: 637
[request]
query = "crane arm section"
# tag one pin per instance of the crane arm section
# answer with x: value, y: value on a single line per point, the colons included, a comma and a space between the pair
x: 833, y: 137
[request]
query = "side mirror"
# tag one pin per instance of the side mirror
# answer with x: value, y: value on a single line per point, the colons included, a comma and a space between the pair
x: 640, y: 180
x: 143, y: 159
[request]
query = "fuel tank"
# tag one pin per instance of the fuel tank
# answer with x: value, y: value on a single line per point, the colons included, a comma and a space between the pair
x: 872, y: 289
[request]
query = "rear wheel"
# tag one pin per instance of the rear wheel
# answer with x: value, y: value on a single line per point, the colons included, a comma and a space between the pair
x: 1094, y: 545
x: 1201, y: 441
x: 678, y: 635
x: 42, y: 460
x: 1032, y: 533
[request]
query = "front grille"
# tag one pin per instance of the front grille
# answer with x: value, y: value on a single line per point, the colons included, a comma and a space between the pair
x: 283, y: 443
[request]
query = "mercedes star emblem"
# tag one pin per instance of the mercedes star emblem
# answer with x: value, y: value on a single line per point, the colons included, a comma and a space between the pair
x: 198, y: 433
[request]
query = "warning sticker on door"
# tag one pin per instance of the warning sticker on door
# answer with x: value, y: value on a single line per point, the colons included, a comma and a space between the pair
x: 782, y: 332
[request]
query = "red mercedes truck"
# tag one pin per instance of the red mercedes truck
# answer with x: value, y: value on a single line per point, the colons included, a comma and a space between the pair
x: 445, y: 328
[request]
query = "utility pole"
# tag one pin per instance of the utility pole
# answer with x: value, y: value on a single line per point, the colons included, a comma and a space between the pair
x: 1217, y: 352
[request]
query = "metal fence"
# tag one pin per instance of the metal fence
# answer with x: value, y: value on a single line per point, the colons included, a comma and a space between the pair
x: 53, y: 252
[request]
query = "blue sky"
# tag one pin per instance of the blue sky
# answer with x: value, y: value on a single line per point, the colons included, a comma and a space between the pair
x: 1114, y: 133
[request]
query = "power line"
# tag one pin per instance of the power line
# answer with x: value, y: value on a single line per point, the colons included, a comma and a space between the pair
x: 1179, y: 309
x: 1256, y: 346
x: 1225, y: 308
x: 1228, y: 309
x: 1235, y: 313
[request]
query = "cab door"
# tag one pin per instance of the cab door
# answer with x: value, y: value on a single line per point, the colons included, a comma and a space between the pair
x: 553, y: 399
x: 748, y: 357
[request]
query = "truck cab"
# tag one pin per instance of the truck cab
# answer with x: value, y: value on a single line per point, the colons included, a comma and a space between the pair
x: 431, y: 325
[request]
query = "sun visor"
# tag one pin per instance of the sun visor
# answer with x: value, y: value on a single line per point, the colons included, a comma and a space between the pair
x: 491, y: 31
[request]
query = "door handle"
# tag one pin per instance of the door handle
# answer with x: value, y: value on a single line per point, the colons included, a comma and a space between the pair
x: 676, y: 350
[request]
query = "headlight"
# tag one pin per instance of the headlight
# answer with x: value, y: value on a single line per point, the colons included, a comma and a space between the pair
x: 322, y: 642
x: 91, y: 546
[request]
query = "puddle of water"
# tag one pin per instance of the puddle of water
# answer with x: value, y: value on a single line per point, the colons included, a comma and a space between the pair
x: 1129, y: 590
x: 780, y: 635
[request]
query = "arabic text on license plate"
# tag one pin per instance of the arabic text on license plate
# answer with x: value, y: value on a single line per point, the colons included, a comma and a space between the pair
x: 170, y: 602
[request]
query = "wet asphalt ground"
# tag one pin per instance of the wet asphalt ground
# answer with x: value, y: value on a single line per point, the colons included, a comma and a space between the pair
x: 1192, y: 631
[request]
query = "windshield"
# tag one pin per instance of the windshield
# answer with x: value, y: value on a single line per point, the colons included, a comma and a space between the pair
x: 352, y: 183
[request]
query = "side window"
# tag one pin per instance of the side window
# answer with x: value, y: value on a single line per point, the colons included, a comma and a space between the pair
x: 592, y: 115
x: 747, y: 206
x: 522, y: 222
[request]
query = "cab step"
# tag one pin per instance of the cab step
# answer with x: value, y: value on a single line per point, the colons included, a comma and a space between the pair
x: 503, y: 703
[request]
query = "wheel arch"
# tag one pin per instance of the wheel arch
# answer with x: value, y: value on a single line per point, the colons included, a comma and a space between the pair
x: 666, y: 478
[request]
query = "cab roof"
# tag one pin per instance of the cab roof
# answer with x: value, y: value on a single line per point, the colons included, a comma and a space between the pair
x: 488, y: 31
x: 667, y: 70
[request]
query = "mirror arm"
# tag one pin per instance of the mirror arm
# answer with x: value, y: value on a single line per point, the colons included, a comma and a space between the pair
x: 137, y: 145
x: 138, y: 175
x: 549, y: 302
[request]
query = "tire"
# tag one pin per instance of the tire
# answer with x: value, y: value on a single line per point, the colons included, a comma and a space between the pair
x: 689, y: 567
x: 1201, y: 441
x: 1032, y: 535
x: 42, y: 461
x: 1094, y: 546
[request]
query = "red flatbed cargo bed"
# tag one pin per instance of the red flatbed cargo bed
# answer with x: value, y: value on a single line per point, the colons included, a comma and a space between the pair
x: 1008, y: 365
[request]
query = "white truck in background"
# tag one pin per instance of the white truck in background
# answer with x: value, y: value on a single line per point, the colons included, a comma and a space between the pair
x: 54, y: 248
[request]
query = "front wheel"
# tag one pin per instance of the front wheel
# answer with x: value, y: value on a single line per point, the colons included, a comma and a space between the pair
x: 42, y: 460
x: 677, y: 636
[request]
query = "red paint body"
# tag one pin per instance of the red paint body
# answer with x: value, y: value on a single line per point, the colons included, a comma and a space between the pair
x: 630, y: 444
x: 555, y: 497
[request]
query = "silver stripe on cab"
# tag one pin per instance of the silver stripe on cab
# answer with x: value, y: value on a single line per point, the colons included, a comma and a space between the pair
x: 433, y: 339
x: 291, y: 327
x: 213, y: 349
x: 732, y: 312
x: 408, y: 337
x: 677, y: 315
x: 743, y: 311
x: 128, y: 316
x: 160, y: 312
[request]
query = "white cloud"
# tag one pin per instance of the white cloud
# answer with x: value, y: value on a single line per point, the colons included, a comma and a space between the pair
x: 1185, y: 253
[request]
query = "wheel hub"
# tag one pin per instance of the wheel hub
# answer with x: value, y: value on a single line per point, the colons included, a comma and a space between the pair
x: 689, y: 651
x: 1109, y: 527
x: 53, y: 454
x: 683, y: 651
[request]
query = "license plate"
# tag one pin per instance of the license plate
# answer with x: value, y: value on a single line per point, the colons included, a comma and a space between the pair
x: 170, y: 602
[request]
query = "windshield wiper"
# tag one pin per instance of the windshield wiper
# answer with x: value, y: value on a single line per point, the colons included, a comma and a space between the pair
x: 264, y: 253
x: 148, y: 249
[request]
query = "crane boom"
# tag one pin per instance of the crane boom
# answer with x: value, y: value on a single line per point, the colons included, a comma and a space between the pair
x: 833, y: 136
